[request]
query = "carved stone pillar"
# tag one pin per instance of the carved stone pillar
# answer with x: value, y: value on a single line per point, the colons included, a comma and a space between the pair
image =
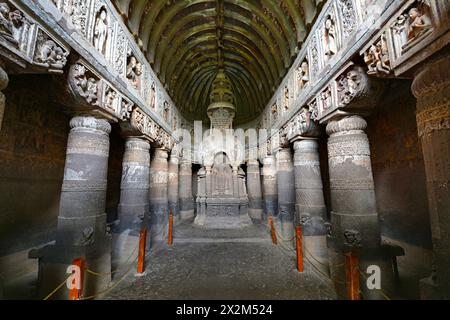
x: 174, y: 185
x: 4, y: 80
x: 134, y: 205
x: 355, y: 225
x: 159, y: 205
x: 81, y: 230
x: 270, y: 192
x: 432, y: 89
x: 310, y: 203
x: 186, y: 200
x: 255, y: 205
x: 286, y: 194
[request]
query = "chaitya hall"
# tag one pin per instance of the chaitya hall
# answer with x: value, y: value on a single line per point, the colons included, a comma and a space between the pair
x: 225, y: 149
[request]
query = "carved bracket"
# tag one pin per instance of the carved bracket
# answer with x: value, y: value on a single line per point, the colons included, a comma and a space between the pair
x: 26, y: 44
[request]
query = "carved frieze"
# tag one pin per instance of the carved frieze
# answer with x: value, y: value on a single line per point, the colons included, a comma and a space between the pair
x: 302, y: 125
x: 90, y: 90
x: 377, y: 57
x: 48, y: 53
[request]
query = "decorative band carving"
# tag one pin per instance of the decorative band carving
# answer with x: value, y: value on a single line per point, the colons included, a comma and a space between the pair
x: 433, y: 119
x: 83, y: 185
x: 351, y: 184
x: 349, y: 146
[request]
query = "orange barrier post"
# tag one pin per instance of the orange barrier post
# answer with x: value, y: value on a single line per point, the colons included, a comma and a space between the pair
x: 272, y: 231
x: 298, y: 236
x: 170, y: 233
x: 141, y: 258
x: 76, y: 293
x: 352, y: 275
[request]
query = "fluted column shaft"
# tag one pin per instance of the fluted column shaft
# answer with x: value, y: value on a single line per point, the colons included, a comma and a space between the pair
x: 186, y: 200
x: 134, y: 204
x: 354, y: 217
x: 286, y: 193
x: 432, y: 89
x: 81, y: 230
x: 135, y: 184
x: 310, y: 203
x: 159, y: 204
x: 173, y: 187
x: 255, y: 205
x: 270, y: 191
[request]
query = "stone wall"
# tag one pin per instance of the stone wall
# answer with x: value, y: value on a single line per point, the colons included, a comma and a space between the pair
x: 398, y: 167
x: 399, y: 175
x: 32, y: 154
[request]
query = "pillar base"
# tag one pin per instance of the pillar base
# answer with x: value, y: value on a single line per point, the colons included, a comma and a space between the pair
x: 55, y: 259
x: 381, y: 257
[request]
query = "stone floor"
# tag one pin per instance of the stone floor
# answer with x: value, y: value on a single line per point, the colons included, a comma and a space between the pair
x: 222, y: 264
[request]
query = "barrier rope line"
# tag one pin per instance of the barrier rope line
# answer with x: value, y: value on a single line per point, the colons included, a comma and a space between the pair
x: 293, y: 253
x: 57, y: 288
x: 279, y: 234
x: 123, y: 277
x: 124, y: 264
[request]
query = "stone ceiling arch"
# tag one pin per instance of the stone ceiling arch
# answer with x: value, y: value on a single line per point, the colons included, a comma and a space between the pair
x: 188, y: 41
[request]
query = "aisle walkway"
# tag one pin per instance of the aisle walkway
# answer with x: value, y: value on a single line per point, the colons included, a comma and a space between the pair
x: 229, y: 264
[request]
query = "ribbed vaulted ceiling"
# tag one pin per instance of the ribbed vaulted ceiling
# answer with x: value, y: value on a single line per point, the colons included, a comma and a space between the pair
x: 188, y: 41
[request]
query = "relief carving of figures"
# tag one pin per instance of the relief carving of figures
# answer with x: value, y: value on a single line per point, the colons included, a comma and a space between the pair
x: 110, y: 98
x: 101, y: 30
x: 138, y: 120
x: 125, y: 108
x: 411, y: 25
x: 326, y: 99
x: 377, y: 57
x: 76, y: 10
x: 49, y: 54
x: 153, y: 96
x: 286, y: 98
x: 419, y: 21
x: 302, y: 75
x: 134, y: 72
x: 353, y: 238
x: 85, y: 83
x: 348, y: 86
x: 11, y: 22
x: 313, y: 110
x: 330, y: 38
x: 274, y: 111
x: 166, y: 111
x: 400, y: 31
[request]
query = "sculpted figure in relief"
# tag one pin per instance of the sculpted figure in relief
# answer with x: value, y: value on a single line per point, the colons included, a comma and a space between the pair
x: 101, y: 31
x: 134, y: 71
x: 303, y: 75
x: 10, y: 24
x: 420, y: 23
x: 330, y: 37
x: 51, y: 55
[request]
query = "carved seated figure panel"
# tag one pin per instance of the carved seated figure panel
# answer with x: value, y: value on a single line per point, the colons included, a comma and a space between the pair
x: 221, y: 204
x: 222, y: 177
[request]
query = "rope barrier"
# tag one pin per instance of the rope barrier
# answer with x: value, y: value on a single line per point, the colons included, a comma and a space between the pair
x: 57, y: 288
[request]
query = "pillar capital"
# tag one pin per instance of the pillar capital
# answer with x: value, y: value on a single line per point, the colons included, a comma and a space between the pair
x: 90, y: 122
x: 161, y: 153
x: 350, y: 123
